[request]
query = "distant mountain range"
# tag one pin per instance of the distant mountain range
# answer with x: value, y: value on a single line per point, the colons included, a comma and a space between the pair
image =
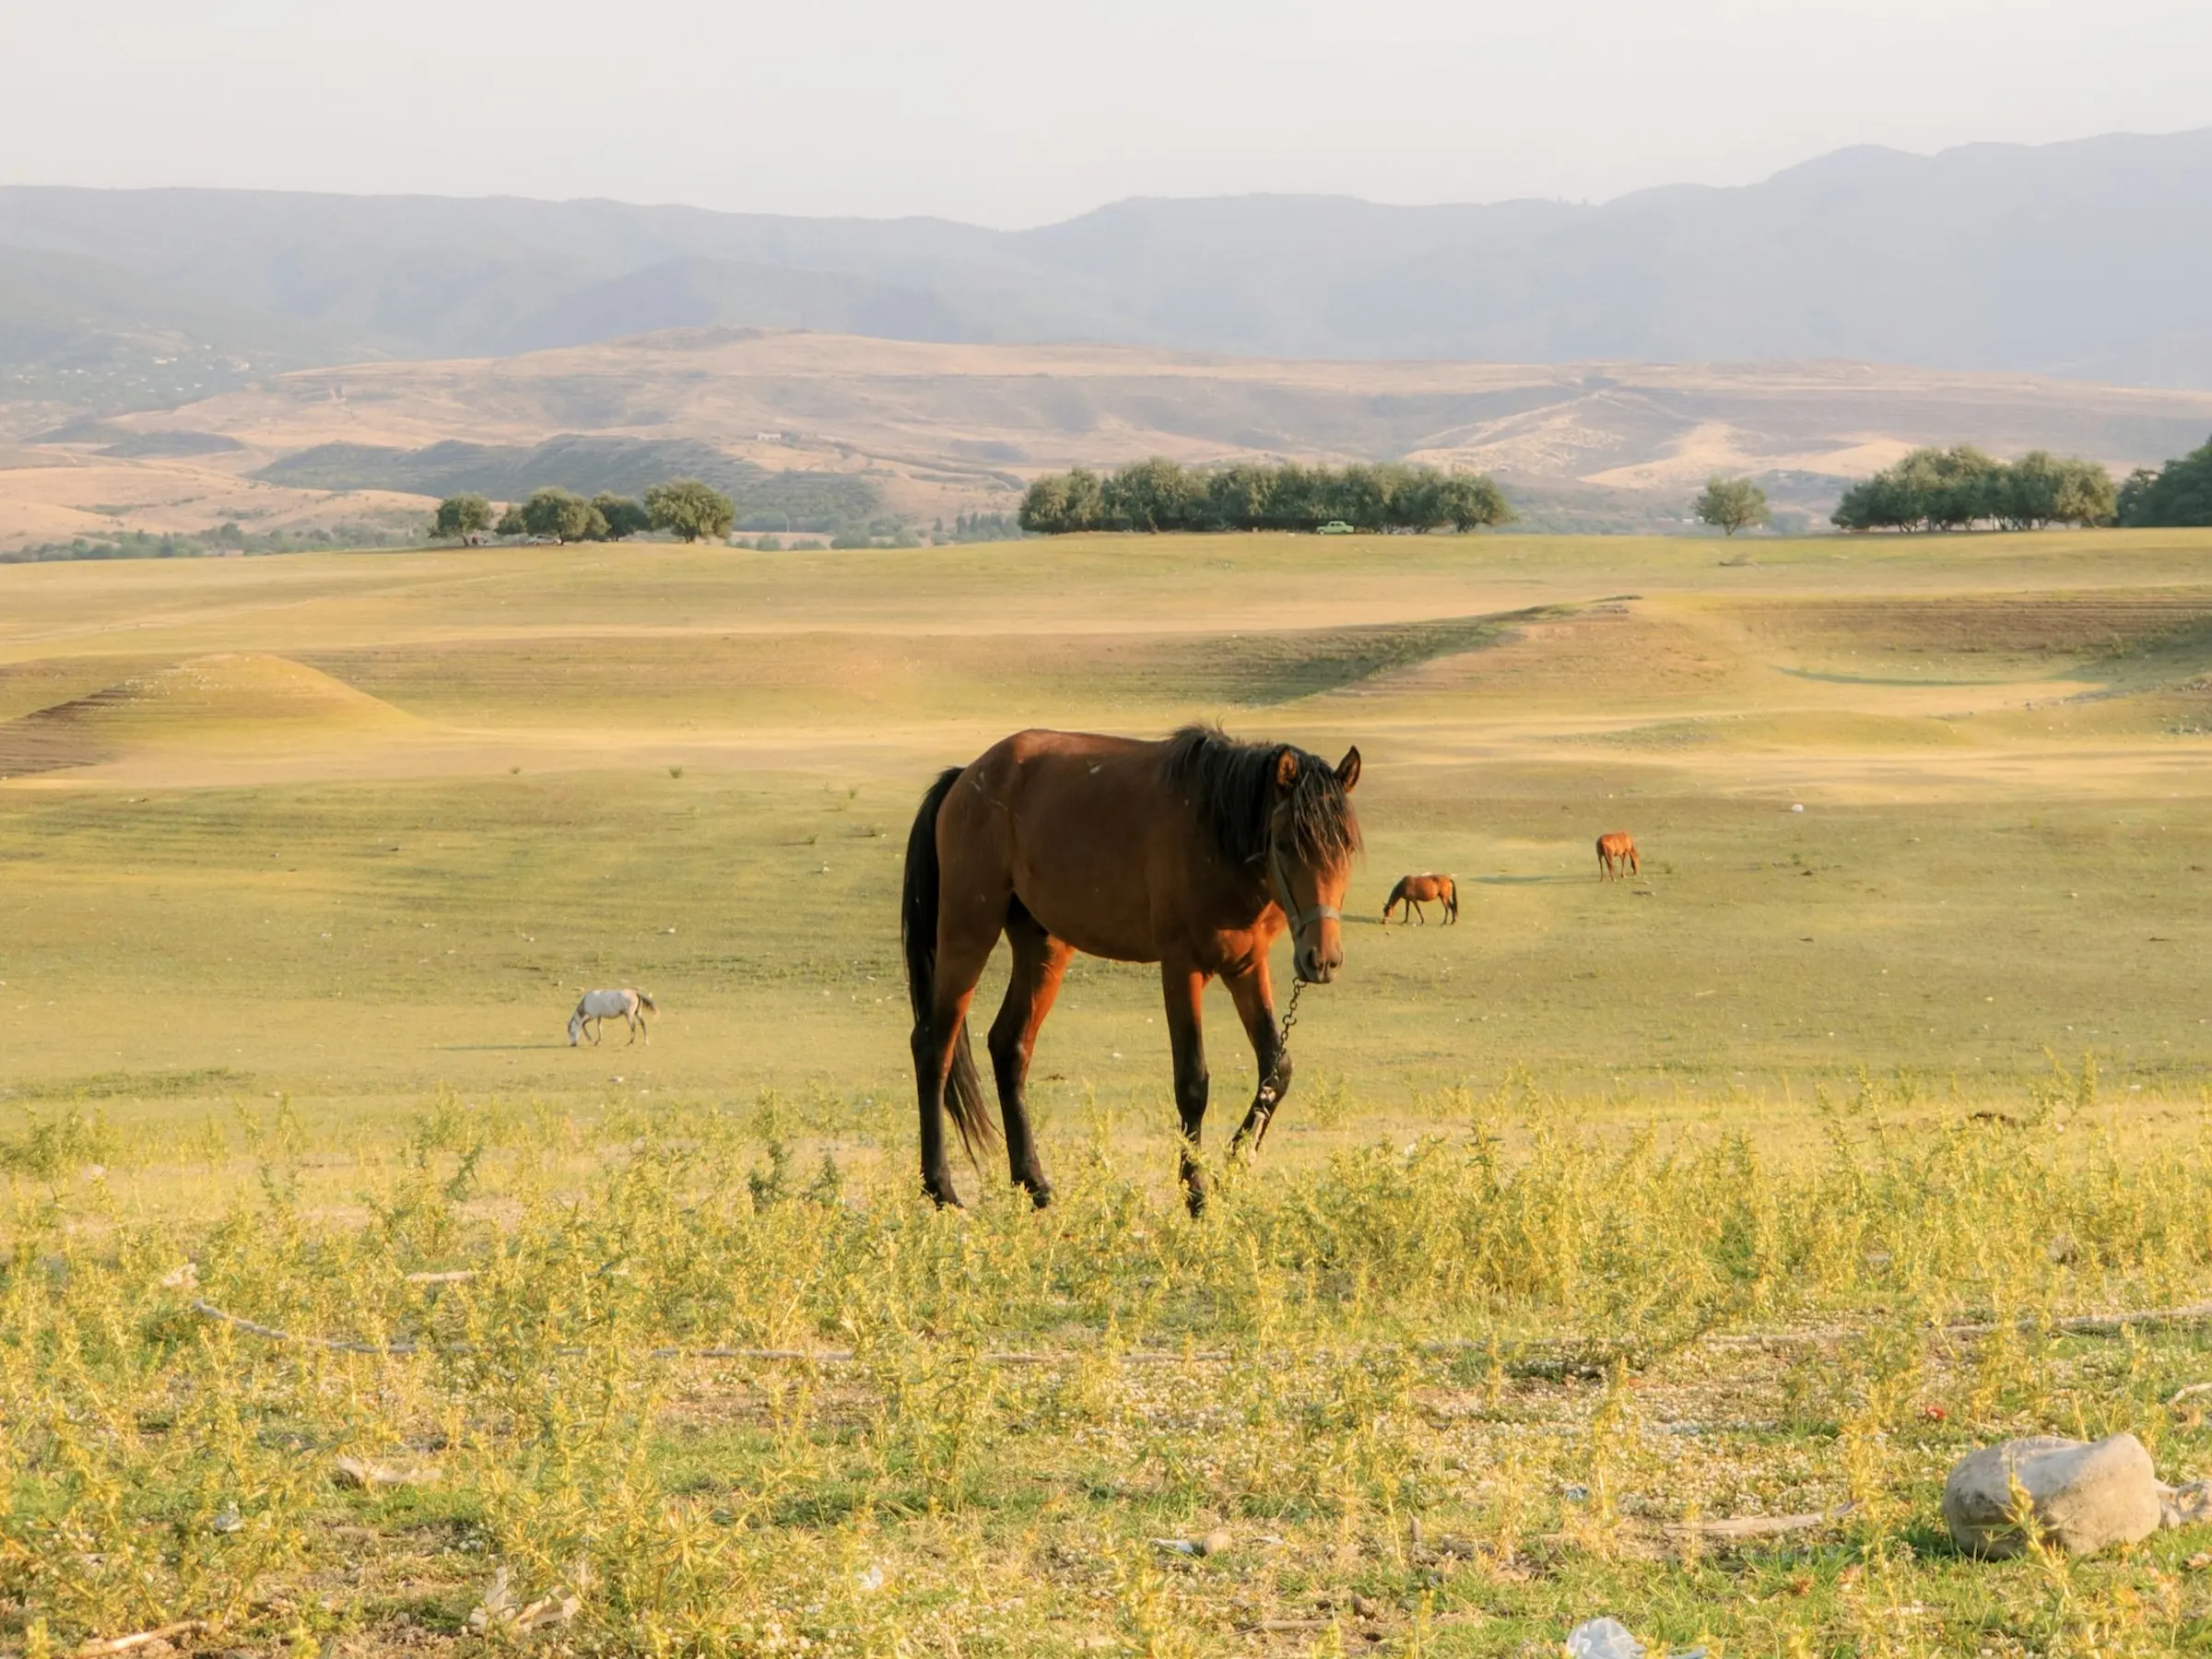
x: 2088, y: 259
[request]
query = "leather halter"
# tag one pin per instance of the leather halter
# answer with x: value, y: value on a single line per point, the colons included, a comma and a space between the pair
x: 1299, y: 919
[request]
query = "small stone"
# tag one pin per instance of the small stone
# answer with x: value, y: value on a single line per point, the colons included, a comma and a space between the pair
x: 1218, y: 1542
x: 2084, y: 1496
x: 2188, y: 1505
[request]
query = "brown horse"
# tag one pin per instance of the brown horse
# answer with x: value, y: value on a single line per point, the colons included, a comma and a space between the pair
x: 1617, y: 855
x: 1413, y: 891
x: 1194, y: 852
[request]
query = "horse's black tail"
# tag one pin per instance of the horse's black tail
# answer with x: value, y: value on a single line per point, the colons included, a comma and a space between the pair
x: 918, y: 930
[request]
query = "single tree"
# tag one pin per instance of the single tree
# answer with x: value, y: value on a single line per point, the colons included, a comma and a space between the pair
x: 690, y: 509
x: 1044, y: 508
x: 462, y: 516
x: 562, y: 514
x: 1057, y: 504
x: 2086, y: 494
x: 624, y: 516
x: 511, y: 523
x: 1470, y: 501
x: 1733, y: 504
x: 1086, y: 500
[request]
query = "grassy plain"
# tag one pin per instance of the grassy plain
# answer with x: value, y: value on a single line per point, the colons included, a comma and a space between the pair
x: 302, y: 862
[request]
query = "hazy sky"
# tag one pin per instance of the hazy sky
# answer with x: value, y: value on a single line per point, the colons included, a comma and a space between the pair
x: 1020, y: 112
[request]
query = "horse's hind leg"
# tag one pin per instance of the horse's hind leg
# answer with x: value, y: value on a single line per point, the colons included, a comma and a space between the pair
x: 1039, y: 963
x: 966, y: 934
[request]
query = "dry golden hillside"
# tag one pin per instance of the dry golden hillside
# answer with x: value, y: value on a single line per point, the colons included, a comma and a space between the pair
x: 936, y: 429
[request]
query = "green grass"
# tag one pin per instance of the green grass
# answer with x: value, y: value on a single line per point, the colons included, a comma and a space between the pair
x: 1614, y: 1207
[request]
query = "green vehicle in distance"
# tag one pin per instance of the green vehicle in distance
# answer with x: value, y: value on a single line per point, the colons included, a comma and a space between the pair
x: 1336, y: 527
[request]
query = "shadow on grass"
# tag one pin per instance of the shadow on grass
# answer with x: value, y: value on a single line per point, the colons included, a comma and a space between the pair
x: 497, y: 1048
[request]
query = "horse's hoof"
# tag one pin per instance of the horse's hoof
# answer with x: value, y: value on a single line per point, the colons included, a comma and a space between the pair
x: 1040, y: 1197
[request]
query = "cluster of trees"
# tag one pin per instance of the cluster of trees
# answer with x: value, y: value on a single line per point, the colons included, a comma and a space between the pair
x: 226, y: 538
x: 682, y: 507
x: 1961, y: 488
x: 979, y: 527
x: 2178, y: 493
x: 1160, y: 495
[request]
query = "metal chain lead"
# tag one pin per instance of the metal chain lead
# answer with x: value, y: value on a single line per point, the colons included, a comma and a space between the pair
x: 1271, y: 1093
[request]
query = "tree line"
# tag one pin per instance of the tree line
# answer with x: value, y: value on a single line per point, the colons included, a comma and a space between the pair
x: 1960, y: 488
x: 1160, y: 495
x: 684, y: 508
x: 2178, y: 493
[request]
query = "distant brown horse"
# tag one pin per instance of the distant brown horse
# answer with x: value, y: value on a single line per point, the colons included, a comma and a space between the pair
x: 1617, y: 855
x: 1194, y: 852
x: 1413, y: 891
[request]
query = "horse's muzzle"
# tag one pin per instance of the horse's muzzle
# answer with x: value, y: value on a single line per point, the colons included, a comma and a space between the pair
x: 1317, y: 964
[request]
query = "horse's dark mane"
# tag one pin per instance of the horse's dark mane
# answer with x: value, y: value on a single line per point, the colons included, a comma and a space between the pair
x: 1232, y: 785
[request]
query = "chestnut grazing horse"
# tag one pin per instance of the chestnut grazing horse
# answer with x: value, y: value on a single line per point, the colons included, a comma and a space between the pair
x: 1617, y: 855
x: 1413, y: 891
x: 1194, y: 852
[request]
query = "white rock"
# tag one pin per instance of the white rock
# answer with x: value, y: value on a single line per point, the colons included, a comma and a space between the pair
x: 1603, y: 1639
x: 2084, y: 1496
x: 2188, y: 1505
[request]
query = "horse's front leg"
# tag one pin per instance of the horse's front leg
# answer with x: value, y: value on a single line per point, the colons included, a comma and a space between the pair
x: 1255, y: 998
x: 1183, y: 988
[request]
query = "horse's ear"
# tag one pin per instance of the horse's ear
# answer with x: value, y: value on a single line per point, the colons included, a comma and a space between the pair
x: 1347, y: 769
x: 1286, y: 769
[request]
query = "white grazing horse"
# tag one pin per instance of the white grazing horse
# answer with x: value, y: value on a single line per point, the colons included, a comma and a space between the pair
x: 596, y: 1005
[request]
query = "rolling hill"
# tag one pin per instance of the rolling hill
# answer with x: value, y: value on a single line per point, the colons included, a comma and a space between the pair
x: 812, y: 429
x: 2086, y: 260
